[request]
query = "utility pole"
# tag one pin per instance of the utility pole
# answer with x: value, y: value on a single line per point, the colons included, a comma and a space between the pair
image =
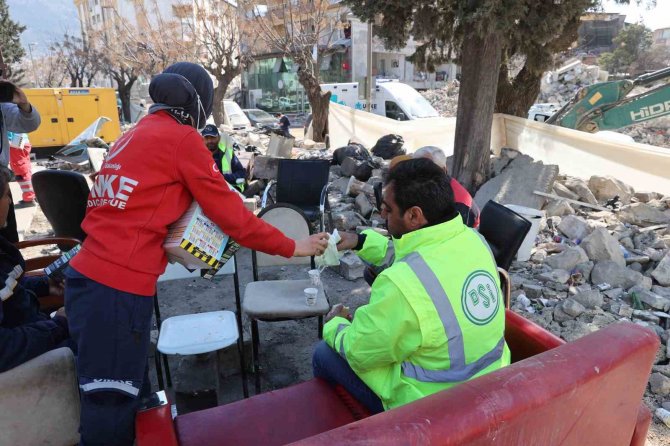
x: 32, y: 63
x: 368, y: 84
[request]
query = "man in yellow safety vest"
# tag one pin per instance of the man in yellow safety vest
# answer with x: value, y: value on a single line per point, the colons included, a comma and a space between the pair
x: 436, y: 316
x: 224, y: 156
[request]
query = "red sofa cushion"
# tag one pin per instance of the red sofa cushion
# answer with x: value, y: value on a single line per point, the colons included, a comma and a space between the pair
x: 272, y: 418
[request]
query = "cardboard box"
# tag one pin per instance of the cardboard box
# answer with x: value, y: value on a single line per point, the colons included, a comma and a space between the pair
x: 197, y: 242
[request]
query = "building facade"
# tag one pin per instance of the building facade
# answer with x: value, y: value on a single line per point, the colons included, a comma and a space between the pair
x: 662, y: 37
x: 598, y: 30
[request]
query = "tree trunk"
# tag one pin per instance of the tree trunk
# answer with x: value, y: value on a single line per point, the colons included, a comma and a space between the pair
x: 480, y: 64
x: 219, y: 95
x: 516, y: 96
x: 319, y: 101
x: 217, y: 106
x: 124, y: 94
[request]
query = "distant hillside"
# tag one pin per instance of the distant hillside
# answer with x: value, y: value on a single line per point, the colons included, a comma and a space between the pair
x: 45, y: 20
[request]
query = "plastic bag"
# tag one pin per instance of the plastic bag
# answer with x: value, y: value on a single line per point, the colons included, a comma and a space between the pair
x: 331, y: 256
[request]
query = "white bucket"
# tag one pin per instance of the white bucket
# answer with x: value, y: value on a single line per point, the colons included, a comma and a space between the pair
x: 535, y: 217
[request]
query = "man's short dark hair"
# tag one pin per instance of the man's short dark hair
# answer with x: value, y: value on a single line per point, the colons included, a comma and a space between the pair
x: 420, y: 182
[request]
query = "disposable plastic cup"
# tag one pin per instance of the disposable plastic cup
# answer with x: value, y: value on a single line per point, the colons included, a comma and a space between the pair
x: 315, y: 277
x: 310, y: 296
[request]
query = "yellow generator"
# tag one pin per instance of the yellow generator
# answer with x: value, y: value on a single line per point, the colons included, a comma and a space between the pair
x: 66, y: 112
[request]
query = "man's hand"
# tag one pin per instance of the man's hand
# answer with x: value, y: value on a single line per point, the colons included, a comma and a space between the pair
x: 314, y: 245
x: 56, y: 288
x: 21, y: 100
x: 61, y: 312
x: 349, y: 240
x: 338, y: 310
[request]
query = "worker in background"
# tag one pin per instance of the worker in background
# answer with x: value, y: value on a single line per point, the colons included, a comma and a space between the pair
x: 149, y: 179
x: 224, y: 156
x: 465, y: 205
x: 19, y: 162
x: 436, y: 317
x: 25, y: 333
x: 17, y: 116
x: 284, y: 125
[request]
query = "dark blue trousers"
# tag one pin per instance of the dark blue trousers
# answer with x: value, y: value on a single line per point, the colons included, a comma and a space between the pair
x: 329, y: 365
x: 112, y: 331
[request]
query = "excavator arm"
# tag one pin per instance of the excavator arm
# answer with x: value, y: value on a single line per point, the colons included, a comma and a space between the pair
x: 605, y: 106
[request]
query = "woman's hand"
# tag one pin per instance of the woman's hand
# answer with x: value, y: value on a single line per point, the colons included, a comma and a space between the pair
x: 314, y: 245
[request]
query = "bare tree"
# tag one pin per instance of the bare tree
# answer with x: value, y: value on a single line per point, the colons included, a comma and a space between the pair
x: 219, y: 42
x: 80, y: 60
x: 142, y: 48
x: 50, y: 70
x: 302, y: 30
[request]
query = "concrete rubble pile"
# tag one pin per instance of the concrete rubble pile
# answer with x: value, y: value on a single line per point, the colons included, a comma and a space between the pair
x: 560, y: 86
x: 591, y: 268
x: 655, y: 132
x: 444, y: 100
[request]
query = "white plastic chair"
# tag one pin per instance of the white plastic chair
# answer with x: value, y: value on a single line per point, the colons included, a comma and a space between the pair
x: 193, y: 334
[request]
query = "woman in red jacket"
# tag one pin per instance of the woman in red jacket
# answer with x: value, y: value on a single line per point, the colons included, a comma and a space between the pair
x: 148, y: 180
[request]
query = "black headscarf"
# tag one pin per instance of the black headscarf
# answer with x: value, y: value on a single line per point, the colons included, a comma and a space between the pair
x: 177, y: 90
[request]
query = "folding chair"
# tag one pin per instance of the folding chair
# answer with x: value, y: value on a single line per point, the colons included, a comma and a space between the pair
x: 280, y: 300
x: 62, y: 196
x: 504, y: 230
x: 302, y: 183
x: 223, y: 323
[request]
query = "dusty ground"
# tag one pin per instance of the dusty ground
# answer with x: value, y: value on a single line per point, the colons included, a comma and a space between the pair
x: 285, y: 349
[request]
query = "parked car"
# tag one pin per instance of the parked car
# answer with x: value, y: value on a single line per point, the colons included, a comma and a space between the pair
x: 287, y: 104
x: 261, y: 119
x: 266, y: 104
x: 234, y: 116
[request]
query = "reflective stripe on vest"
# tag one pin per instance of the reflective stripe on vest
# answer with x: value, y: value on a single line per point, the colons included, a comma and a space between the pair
x: 341, y: 350
x: 458, y: 370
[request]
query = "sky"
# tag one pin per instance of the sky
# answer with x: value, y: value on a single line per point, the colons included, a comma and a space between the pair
x: 654, y: 18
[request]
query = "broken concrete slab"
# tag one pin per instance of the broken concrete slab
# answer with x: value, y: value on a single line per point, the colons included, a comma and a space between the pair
x: 608, y: 187
x: 642, y: 214
x: 562, y: 191
x: 515, y: 185
x: 574, y: 227
x: 590, y: 299
x: 650, y: 298
x: 579, y: 187
x: 600, y: 245
x: 615, y: 275
x: 567, y: 259
x: 558, y: 208
x: 363, y: 205
x: 662, y: 271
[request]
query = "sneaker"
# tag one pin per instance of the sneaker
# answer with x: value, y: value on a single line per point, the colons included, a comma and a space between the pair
x: 24, y: 204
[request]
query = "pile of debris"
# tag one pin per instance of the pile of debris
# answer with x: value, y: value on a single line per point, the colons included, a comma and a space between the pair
x: 655, y: 132
x: 602, y: 256
x: 444, y: 100
x: 560, y: 86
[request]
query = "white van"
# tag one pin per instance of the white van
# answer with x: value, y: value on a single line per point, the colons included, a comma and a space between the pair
x: 234, y: 116
x: 391, y: 99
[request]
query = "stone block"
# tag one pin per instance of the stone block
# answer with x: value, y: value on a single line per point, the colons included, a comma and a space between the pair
x: 600, y: 245
x: 606, y: 188
x: 650, y: 298
x: 351, y: 266
x: 574, y: 227
x: 557, y: 275
x: 579, y: 187
x: 515, y: 185
x: 572, y: 308
x: 659, y: 384
x: 562, y: 191
x: 590, y: 299
x: 567, y: 259
x: 642, y: 214
x: 363, y: 205
x: 558, y: 208
x: 615, y: 275
x: 662, y: 271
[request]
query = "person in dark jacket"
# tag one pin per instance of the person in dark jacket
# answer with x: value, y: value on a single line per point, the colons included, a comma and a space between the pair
x: 25, y: 333
x: 224, y: 156
x: 284, y: 125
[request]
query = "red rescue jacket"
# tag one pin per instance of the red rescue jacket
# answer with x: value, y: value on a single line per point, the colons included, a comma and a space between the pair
x: 148, y: 180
